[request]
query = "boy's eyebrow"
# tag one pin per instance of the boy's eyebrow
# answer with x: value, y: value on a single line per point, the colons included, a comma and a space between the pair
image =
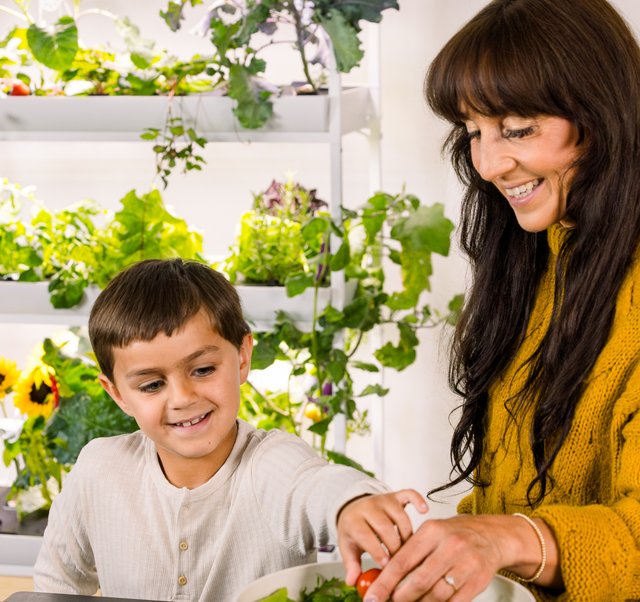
x: 186, y: 360
x: 198, y: 353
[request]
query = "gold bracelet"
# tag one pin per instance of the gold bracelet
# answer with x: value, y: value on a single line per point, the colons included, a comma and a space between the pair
x: 542, y: 545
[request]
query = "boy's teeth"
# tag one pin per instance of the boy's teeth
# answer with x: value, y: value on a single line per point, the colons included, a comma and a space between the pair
x: 195, y: 421
x: 520, y: 191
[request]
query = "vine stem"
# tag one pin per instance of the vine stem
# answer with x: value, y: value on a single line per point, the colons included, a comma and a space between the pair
x: 14, y: 13
x: 274, y: 407
x: 300, y: 36
x: 97, y: 11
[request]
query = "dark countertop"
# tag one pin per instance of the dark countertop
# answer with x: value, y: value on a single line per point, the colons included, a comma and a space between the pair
x: 43, y: 597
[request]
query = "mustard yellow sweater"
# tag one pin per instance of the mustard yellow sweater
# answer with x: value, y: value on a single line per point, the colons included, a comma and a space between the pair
x: 594, y: 506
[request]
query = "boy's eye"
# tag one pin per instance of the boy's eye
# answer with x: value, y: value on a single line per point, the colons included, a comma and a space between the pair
x: 204, y: 371
x: 156, y: 385
x: 519, y: 133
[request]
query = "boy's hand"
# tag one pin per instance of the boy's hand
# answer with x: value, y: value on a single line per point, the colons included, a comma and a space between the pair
x: 368, y: 522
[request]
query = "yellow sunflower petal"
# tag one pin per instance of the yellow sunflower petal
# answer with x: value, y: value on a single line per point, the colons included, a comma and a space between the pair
x: 33, y: 393
x: 9, y: 375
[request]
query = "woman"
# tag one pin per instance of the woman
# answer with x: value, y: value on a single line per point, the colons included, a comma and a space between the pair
x: 544, y: 100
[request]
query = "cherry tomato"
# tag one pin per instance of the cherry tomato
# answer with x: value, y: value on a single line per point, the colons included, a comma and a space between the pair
x: 20, y: 89
x: 365, y: 580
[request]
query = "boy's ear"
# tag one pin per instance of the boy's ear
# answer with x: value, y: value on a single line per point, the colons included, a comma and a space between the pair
x: 110, y: 388
x: 244, y: 355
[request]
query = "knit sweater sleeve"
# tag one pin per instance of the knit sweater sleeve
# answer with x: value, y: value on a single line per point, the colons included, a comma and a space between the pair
x: 600, y: 545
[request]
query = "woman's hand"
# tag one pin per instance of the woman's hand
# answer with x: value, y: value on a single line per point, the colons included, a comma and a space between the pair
x: 366, y: 523
x: 456, y: 559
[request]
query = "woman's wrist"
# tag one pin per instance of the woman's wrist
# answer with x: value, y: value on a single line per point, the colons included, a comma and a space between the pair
x: 523, y: 552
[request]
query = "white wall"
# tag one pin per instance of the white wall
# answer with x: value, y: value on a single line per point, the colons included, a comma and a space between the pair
x: 416, y: 411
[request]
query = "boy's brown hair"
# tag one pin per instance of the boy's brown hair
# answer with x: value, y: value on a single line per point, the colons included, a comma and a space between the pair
x: 159, y: 295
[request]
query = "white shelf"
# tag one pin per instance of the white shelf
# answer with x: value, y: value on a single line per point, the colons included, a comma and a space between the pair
x: 123, y: 118
x: 18, y: 554
x: 28, y: 302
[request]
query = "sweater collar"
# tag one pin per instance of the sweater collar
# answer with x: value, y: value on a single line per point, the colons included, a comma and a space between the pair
x: 556, y: 236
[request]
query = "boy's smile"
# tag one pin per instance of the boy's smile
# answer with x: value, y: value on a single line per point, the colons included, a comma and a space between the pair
x: 184, y: 392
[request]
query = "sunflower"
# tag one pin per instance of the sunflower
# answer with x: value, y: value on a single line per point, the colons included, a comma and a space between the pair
x: 36, y: 393
x: 9, y: 375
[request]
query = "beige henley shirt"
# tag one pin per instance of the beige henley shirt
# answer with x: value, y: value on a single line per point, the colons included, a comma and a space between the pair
x: 119, y: 523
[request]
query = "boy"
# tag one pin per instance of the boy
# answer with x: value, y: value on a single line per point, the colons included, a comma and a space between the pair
x: 196, y: 504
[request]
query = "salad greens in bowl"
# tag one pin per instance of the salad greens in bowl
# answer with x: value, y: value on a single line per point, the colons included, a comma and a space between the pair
x: 324, y: 582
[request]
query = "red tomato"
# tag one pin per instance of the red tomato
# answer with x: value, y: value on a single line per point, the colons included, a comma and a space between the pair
x: 365, y: 580
x: 20, y: 89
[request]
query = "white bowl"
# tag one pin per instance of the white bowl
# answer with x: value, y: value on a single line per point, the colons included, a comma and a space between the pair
x: 298, y: 578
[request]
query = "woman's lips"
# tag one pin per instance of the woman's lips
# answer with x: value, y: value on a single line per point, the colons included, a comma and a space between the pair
x: 523, y: 200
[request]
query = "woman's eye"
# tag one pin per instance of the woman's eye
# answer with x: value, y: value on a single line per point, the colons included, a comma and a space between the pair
x: 204, y: 371
x: 475, y: 134
x: 519, y: 133
x: 156, y: 385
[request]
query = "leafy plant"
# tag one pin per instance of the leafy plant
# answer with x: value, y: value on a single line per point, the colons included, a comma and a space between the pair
x: 68, y: 249
x: 233, y: 24
x: 46, y: 449
x: 386, y: 229
x: 38, y: 467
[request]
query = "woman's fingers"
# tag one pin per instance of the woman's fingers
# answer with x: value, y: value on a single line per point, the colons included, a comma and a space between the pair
x: 401, y: 564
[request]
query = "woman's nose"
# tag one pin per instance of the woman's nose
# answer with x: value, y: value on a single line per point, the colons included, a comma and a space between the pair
x: 492, y: 159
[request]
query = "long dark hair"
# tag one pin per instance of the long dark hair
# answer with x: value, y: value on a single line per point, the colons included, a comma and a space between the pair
x: 575, y: 59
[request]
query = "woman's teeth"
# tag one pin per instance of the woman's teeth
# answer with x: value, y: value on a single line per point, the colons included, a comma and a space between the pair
x: 194, y: 421
x: 520, y: 191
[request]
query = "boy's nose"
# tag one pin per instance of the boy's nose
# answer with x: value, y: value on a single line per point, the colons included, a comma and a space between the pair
x: 182, y: 395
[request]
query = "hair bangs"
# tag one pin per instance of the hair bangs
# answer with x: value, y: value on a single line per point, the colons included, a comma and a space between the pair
x: 495, y: 67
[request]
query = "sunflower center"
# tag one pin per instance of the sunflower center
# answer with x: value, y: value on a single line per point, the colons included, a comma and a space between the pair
x: 39, y: 394
x: 1, y: 378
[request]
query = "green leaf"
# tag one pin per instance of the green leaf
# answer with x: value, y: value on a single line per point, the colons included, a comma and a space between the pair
x: 67, y: 287
x: 142, y: 57
x: 173, y: 16
x: 341, y: 259
x: 331, y: 314
x: 279, y: 596
x: 344, y: 38
x: 55, y: 46
x: 374, y: 390
x: 252, y: 109
x: 355, y: 312
x: 365, y: 366
x: 314, y: 228
x: 455, y: 309
x: 263, y: 356
x: 337, y: 366
x: 321, y: 427
x: 354, y: 11
x: 298, y: 283
x: 394, y: 255
x: 425, y: 229
x: 404, y: 354
x: 338, y: 458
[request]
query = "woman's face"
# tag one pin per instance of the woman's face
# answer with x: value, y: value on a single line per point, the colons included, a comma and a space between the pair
x: 530, y: 162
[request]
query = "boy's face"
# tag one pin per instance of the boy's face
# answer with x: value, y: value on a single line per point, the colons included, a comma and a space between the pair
x: 184, y: 393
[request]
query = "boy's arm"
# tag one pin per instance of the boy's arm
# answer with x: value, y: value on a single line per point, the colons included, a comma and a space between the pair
x: 300, y: 495
x: 66, y: 564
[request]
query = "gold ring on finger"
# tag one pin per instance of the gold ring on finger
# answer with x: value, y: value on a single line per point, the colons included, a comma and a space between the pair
x: 452, y: 582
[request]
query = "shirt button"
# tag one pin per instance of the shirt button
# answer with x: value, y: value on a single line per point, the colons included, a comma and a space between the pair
x: 184, y: 545
x: 182, y: 580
